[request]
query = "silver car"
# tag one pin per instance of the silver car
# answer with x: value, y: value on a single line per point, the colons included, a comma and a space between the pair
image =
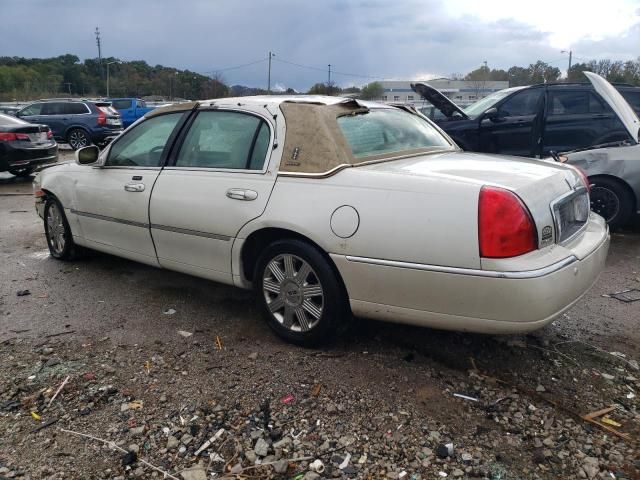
x: 613, y: 169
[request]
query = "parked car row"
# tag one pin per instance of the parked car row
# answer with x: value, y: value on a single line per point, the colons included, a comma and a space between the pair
x: 543, y: 120
x: 24, y: 146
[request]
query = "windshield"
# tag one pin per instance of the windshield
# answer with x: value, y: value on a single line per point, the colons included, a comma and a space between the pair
x: 382, y: 131
x: 483, y: 105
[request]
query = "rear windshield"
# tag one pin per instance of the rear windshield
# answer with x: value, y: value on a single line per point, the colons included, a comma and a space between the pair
x: 121, y: 104
x: 382, y: 131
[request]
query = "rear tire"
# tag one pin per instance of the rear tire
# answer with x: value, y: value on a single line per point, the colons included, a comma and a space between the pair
x: 78, y: 138
x: 58, y: 232
x: 611, y: 200
x: 299, y: 293
x: 21, y: 172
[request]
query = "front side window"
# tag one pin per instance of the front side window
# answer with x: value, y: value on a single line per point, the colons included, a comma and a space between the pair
x: 522, y: 103
x: 383, y: 131
x: 33, y: 109
x: 229, y: 140
x: 143, y: 146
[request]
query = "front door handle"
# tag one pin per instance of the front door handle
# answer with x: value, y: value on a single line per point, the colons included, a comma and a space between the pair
x: 242, y: 194
x: 134, y: 187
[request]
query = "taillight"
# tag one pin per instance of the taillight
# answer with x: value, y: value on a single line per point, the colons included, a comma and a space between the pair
x: 584, y: 177
x: 102, y: 118
x: 10, y: 137
x: 505, y: 226
x: 49, y: 134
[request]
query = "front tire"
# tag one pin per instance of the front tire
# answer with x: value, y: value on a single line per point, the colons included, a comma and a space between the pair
x: 21, y: 172
x: 78, y: 138
x: 57, y: 231
x: 298, y: 292
x: 611, y: 200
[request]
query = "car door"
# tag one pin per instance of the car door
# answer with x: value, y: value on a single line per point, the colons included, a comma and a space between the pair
x: 112, y: 202
x: 31, y: 113
x: 578, y: 118
x: 511, y: 131
x: 54, y: 114
x: 216, y: 182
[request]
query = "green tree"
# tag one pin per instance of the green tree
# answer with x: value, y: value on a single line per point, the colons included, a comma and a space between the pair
x: 372, y: 91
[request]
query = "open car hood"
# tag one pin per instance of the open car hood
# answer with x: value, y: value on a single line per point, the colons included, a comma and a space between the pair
x: 438, y: 100
x: 617, y: 102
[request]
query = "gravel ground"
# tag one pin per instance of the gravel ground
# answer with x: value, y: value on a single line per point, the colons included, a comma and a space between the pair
x: 177, y: 377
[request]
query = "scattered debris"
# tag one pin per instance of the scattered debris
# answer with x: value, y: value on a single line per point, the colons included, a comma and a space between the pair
x: 36, y: 416
x: 287, y: 399
x: 23, y: 293
x: 465, y: 397
x: 626, y: 296
x: 129, y: 458
x: 59, y: 389
x: 345, y: 462
x: 68, y: 332
x: 218, y: 343
x: 316, y: 390
x: 184, y: 333
x: 253, y: 356
x: 316, y: 466
x: 206, y: 444
x: 591, y: 418
x: 169, y: 311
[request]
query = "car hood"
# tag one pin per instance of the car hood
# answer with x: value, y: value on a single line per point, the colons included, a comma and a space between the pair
x: 616, y: 101
x: 438, y: 100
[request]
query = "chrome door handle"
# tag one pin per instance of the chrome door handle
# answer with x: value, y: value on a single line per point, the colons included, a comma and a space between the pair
x: 134, y: 187
x: 241, y: 194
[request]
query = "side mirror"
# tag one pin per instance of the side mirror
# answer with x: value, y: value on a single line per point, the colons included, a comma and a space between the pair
x: 87, y: 155
x: 491, y: 114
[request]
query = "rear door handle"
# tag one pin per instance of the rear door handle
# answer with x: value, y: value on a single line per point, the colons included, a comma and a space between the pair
x: 134, y: 187
x: 242, y: 194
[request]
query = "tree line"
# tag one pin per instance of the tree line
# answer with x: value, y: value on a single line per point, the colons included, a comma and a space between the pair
x: 23, y: 79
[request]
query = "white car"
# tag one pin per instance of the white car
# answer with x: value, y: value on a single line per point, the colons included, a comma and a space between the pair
x: 329, y: 206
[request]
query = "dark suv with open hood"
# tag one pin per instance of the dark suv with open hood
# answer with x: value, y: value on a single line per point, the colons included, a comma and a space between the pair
x: 76, y: 122
x: 531, y: 121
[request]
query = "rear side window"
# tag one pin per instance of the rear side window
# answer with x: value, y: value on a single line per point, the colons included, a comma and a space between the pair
x: 383, y: 131
x: 75, y: 108
x: 33, y: 109
x: 576, y: 103
x: 229, y: 140
x: 633, y: 98
x: 121, y: 104
x: 53, y: 108
x: 143, y: 146
x: 525, y: 102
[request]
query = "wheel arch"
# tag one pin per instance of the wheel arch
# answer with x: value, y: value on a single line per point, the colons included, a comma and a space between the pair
x: 259, y: 239
x: 622, y: 183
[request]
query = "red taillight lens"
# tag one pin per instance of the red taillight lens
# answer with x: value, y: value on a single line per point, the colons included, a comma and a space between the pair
x: 10, y: 137
x: 102, y: 118
x: 505, y: 226
x: 49, y: 134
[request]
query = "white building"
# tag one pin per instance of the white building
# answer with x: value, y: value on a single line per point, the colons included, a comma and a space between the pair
x: 462, y: 92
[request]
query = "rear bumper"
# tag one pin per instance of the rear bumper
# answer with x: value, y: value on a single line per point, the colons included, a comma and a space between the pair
x: 27, y: 157
x: 105, y: 136
x: 471, y: 300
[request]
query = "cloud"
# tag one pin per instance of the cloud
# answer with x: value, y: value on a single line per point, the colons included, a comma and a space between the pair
x: 363, y: 40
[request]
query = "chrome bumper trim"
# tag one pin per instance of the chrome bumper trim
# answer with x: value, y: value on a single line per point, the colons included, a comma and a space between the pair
x: 540, y: 272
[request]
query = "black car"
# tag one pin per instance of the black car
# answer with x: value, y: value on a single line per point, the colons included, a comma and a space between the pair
x: 76, y: 122
x: 631, y: 94
x: 24, y: 146
x: 530, y: 121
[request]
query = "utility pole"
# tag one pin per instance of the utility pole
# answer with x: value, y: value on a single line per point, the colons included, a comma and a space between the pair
x: 271, y: 55
x: 99, y: 49
x: 570, y: 52
x: 68, y: 84
x: 110, y: 63
x: 329, y: 81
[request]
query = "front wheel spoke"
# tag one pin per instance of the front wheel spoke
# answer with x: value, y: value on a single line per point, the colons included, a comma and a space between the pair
x: 303, y: 273
x: 301, y: 315
x: 312, y: 308
x: 271, y: 286
x: 276, y: 304
x: 309, y: 291
x: 288, y: 266
x: 288, y: 316
x: 276, y: 271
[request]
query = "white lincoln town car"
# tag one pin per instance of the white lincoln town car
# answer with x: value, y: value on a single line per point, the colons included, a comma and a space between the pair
x: 329, y: 207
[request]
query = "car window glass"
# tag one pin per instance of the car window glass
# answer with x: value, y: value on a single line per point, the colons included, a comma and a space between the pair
x: 633, y: 98
x: 569, y: 102
x: 143, y: 146
x: 141, y: 104
x: 53, y: 108
x: 522, y: 103
x: 222, y: 140
x: 121, y: 104
x: 75, y: 108
x: 33, y: 109
x: 260, y: 148
x: 596, y: 105
x: 383, y: 130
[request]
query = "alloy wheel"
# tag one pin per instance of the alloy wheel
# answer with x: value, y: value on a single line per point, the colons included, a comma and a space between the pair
x: 293, y: 292
x: 604, y: 202
x: 55, y: 229
x: 78, y: 139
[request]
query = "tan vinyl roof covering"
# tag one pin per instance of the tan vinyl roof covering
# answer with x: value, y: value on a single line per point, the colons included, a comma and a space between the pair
x: 314, y: 143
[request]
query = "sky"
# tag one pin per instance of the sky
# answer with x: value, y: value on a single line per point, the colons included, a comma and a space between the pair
x: 363, y: 40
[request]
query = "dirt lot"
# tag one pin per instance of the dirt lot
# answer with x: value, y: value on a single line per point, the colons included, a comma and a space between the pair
x: 179, y: 377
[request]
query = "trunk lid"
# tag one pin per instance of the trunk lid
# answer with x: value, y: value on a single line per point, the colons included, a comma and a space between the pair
x: 616, y: 101
x: 438, y: 100
x: 549, y: 189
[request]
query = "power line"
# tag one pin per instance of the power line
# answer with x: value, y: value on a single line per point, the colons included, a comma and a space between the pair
x: 318, y: 69
x: 235, y: 67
